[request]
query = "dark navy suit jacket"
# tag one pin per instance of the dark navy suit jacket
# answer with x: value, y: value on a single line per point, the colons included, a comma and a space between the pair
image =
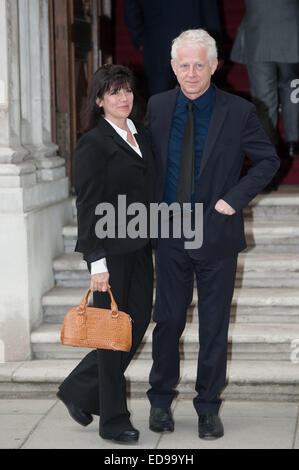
x: 234, y: 132
x: 154, y: 24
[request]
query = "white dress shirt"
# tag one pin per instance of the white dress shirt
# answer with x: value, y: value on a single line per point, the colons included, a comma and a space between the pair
x: 100, y: 266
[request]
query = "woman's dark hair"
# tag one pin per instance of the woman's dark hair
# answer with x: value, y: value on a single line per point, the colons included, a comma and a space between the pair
x: 109, y: 77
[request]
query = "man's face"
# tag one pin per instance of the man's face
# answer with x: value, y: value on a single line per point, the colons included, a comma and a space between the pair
x: 193, y: 70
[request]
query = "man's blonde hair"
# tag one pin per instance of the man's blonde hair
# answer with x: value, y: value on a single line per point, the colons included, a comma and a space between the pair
x: 197, y: 38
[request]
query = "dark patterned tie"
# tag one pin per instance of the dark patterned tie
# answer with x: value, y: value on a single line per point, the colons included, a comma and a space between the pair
x: 186, y: 171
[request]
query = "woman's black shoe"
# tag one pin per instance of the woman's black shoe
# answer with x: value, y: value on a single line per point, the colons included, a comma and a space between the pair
x: 76, y: 413
x: 129, y: 436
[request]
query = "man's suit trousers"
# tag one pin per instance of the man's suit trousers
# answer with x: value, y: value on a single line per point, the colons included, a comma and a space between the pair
x: 175, y: 271
x: 270, y: 85
x: 97, y: 385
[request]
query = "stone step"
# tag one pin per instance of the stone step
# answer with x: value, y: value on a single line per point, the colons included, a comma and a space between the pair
x: 254, y: 270
x: 277, y: 235
x: 263, y: 305
x: 245, y: 342
x: 247, y: 380
x: 268, y: 270
x: 69, y: 234
x: 70, y: 270
x: 281, y: 204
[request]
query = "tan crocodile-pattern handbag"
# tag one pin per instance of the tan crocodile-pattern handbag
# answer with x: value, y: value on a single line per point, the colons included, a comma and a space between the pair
x: 98, y: 328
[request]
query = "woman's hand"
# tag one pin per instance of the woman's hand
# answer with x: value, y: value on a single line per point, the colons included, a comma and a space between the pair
x: 99, y: 282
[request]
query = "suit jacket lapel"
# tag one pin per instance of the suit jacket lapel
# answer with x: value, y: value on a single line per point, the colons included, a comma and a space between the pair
x: 125, y: 146
x: 216, y: 123
x: 166, y: 111
x: 165, y: 118
x: 108, y: 130
x: 143, y: 145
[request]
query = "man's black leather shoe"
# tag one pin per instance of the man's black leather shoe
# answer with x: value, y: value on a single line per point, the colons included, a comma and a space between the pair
x: 76, y: 413
x: 293, y: 149
x: 161, y: 420
x: 210, y: 427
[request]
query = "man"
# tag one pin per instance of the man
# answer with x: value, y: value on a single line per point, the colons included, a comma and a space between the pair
x: 268, y: 43
x: 225, y: 129
x: 153, y: 25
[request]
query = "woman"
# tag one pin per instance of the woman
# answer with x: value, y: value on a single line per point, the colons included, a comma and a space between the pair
x: 112, y: 158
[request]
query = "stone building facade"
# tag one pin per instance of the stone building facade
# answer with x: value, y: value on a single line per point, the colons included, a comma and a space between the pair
x: 34, y: 188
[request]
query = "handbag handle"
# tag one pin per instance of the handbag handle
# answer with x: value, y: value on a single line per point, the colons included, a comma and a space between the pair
x: 83, y: 305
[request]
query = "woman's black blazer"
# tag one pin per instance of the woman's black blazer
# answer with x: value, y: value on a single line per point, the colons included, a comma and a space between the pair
x: 105, y: 166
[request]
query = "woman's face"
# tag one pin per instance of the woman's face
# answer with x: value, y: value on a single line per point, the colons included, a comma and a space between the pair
x: 117, y: 104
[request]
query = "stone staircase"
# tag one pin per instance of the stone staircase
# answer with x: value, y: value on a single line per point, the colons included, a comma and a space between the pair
x: 264, y: 327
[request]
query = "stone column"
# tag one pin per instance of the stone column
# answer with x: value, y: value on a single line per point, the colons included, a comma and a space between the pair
x: 35, y: 89
x: 34, y: 199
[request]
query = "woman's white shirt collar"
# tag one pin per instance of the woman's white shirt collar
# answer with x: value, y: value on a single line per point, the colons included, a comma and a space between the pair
x: 124, y: 133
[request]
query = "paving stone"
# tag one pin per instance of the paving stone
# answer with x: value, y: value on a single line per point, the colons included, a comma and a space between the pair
x: 46, y: 424
x: 246, y: 426
x: 59, y: 431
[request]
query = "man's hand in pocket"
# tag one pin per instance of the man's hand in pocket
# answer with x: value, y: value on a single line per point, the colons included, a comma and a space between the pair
x: 223, y: 208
